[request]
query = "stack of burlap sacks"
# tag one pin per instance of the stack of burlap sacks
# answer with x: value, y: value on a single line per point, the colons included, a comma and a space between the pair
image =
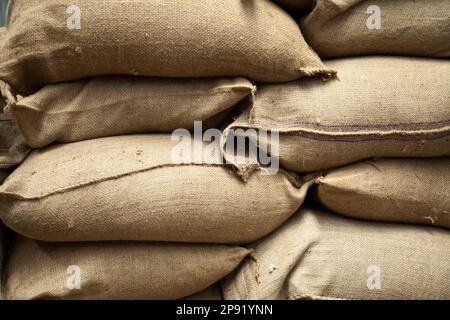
x: 101, y: 191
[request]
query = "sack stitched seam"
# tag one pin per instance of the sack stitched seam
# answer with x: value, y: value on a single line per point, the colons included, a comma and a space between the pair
x: 31, y: 106
x: 437, y: 133
x: 410, y: 125
x: 17, y: 196
x: 98, y: 181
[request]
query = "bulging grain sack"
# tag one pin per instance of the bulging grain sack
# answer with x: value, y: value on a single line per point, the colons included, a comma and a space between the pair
x: 130, y: 188
x: 67, y: 112
x: 380, y: 107
x: 13, y: 149
x: 202, y: 38
x: 338, y: 28
x: 412, y: 191
x: 319, y: 255
x: 114, y: 270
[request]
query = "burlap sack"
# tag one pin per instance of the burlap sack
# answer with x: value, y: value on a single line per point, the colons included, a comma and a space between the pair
x: 71, y: 111
x: 213, y: 292
x: 339, y: 28
x: 413, y: 191
x: 318, y: 255
x: 201, y: 38
x: 13, y: 149
x: 380, y: 107
x: 117, y: 270
x: 129, y: 188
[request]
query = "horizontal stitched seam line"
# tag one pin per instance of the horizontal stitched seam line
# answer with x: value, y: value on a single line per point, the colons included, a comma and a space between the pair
x: 74, y: 187
x: 315, y: 125
x: 353, y: 136
x: 118, y: 176
x: 40, y: 104
x: 368, y: 137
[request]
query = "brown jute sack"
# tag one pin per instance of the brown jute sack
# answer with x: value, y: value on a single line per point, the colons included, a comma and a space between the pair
x: 412, y: 191
x: 13, y: 149
x: 379, y: 107
x: 130, y: 188
x: 110, y: 106
x: 319, y: 255
x: 115, y: 270
x: 339, y: 28
x: 200, y: 38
